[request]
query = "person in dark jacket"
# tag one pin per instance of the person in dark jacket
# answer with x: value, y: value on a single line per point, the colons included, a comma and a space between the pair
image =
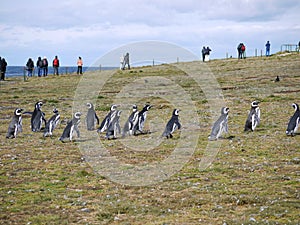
x: 203, y: 53
x: 268, y: 47
x: 3, y: 65
x: 45, y: 66
x: 29, y: 67
x: 39, y: 65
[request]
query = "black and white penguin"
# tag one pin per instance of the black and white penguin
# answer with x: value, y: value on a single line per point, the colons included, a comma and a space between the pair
x: 172, y: 125
x: 142, y: 116
x: 71, y: 127
x: 105, y: 123
x: 277, y: 79
x: 91, y: 117
x: 15, y: 125
x: 253, y: 119
x: 114, y: 128
x: 37, y: 118
x: 294, y: 121
x: 220, y: 126
x: 52, y: 123
x: 131, y: 122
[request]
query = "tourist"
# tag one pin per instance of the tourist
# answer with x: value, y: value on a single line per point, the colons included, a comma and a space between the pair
x: 268, y: 47
x: 3, y: 65
x: 39, y: 65
x: 79, y: 65
x: 126, y: 61
x: 45, y: 66
x: 29, y: 67
x: 55, y: 65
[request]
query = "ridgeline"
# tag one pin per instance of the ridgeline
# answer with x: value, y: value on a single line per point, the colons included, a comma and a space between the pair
x: 254, y: 178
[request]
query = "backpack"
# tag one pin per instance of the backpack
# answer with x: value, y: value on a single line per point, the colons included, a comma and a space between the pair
x: 55, y: 62
x: 243, y: 48
x: 45, y: 62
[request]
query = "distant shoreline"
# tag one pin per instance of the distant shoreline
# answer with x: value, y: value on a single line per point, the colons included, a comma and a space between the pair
x: 18, y: 71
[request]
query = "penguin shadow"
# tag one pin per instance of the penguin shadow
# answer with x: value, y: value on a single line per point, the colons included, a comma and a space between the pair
x: 231, y: 137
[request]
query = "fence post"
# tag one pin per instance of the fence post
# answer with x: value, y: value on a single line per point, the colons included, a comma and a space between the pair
x: 24, y: 73
x: 66, y: 70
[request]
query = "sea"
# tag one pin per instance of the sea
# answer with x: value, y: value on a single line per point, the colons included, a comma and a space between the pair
x: 15, y: 71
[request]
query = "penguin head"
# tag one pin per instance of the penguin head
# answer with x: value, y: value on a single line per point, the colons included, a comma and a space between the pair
x: 147, y: 107
x: 18, y: 111
x: 89, y: 105
x: 224, y: 110
x: 176, y: 112
x: 77, y: 115
x: 254, y: 104
x: 55, y: 110
x: 113, y: 107
x: 134, y: 108
x: 295, y: 106
x: 38, y: 105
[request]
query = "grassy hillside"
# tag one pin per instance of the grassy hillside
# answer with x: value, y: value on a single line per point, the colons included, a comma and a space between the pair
x: 254, y: 178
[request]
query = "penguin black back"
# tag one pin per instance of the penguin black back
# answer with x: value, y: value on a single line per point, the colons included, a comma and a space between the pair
x: 142, y: 116
x: 172, y: 125
x: 37, y: 118
x: 253, y: 118
x: 15, y: 125
x: 91, y: 117
x: 294, y: 121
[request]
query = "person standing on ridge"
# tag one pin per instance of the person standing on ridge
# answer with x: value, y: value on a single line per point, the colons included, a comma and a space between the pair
x: 126, y: 61
x: 55, y: 65
x: 203, y: 53
x: 45, y: 66
x: 79, y: 65
x: 29, y: 67
x: 3, y: 65
x: 39, y: 65
x: 268, y: 47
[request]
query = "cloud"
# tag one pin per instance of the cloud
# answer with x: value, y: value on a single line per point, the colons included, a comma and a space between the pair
x: 93, y: 27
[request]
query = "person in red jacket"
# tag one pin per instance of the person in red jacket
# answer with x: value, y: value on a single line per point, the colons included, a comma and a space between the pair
x: 55, y: 65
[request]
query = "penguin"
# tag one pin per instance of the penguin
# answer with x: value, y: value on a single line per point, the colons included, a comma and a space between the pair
x: 52, y: 123
x: 220, y: 126
x: 91, y: 117
x: 253, y: 119
x: 37, y: 118
x: 15, y: 126
x: 114, y: 125
x: 294, y: 121
x: 104, y: 124
x: 277, y: 79
x: 172, y: 125
x: 142, y: 116
x: 131, y: 122
x: 71, y: 127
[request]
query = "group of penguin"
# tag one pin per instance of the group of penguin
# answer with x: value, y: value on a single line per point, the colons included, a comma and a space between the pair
x: 134, y: 124
x: 110, y: 124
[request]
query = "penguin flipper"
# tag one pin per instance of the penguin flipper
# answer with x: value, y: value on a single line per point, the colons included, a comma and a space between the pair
x: 97, y: 118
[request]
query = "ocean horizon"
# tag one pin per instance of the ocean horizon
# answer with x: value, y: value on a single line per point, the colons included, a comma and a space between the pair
x: 16, y: 71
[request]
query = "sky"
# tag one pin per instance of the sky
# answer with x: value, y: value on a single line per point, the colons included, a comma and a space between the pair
x: 93, y: 28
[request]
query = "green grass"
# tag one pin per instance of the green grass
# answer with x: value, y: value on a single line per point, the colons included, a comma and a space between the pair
x: 254, y: 178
